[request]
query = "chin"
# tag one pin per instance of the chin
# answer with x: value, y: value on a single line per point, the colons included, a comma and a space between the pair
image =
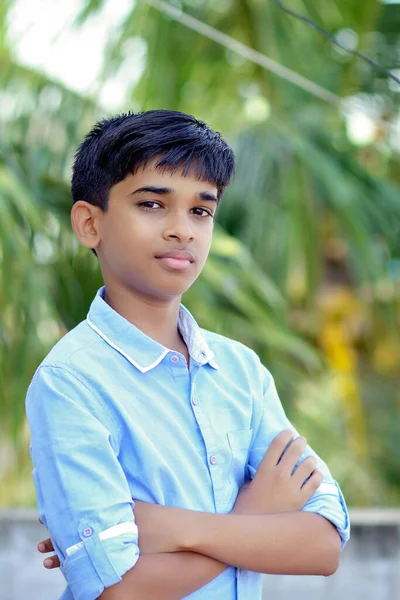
x: 166, y: 290
x: 173, y: 291
x: 174, y: 284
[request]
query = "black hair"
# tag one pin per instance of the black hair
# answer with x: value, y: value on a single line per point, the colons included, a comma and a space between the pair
x: 120, y: 145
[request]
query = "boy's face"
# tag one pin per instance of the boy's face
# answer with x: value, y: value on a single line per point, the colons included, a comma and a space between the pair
x: 149, y: 214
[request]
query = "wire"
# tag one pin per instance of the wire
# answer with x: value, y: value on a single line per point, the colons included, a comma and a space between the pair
x: 248, y: 53
x: 333, y: 39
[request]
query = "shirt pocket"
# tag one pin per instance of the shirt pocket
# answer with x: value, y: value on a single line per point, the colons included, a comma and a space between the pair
x: 239, y: 444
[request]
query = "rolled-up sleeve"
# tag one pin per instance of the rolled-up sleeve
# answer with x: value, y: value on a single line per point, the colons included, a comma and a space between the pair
x: 82, y: 493
x: 327, y: 500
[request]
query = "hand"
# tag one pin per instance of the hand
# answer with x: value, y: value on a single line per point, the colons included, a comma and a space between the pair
x: 158, y: 531
x: 51, y: 562
x: 274, y: 488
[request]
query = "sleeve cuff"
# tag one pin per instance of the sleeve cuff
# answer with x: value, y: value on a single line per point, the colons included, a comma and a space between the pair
x: 100, y: 561
x: 328, y: 501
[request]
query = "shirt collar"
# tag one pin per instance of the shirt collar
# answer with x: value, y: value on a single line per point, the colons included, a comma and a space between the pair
x: 138, y: 348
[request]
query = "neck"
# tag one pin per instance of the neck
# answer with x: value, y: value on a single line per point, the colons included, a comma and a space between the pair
x: 157, y: 319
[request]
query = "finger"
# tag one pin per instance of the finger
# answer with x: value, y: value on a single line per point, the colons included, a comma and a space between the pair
x: 312, y: 484
x: 293, y: 454
x: 277, y: 448
x: 52, y: 562
x: 305, y: 469
x: 46, y: 546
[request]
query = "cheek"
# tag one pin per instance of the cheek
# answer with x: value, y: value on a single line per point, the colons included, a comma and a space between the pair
x: 129, y: 231
x: 206, y: 239
x: 123, y: 240
x: 203, y: 250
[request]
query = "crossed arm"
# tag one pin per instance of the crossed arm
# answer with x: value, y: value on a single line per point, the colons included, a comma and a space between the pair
x: 182, y: 550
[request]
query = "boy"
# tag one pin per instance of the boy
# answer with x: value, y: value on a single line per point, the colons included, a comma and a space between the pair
x: 146, y: 431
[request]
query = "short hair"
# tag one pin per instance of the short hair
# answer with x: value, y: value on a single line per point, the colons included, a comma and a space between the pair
x: 120, y: 145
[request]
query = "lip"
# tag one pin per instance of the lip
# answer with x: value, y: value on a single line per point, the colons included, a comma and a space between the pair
x: 176, y: 260
x: 177, y: 255
x: 176, y: 264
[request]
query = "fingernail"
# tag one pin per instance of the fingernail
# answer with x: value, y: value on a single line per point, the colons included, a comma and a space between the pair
x: 41, y: 547
x: 48, y: 562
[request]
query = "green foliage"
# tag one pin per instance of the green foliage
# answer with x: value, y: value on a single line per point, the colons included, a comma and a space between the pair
x: 300, y: 186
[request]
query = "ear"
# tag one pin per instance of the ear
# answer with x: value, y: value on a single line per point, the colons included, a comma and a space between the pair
x: 85, y: 219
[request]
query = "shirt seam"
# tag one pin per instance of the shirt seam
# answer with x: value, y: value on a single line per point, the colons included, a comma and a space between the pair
x: 90, y: 389
x: 82, y: 347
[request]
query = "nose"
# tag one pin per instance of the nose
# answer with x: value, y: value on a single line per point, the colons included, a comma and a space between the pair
x: 179, y: 228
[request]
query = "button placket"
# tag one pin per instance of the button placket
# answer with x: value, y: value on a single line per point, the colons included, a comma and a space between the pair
x: 214, y: 458
x: 215, y: 461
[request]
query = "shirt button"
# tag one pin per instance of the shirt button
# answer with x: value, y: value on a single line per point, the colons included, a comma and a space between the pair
x: 213, y: 459
x: 174, y: 358
x: 87, y: 532
x: 194, y: 401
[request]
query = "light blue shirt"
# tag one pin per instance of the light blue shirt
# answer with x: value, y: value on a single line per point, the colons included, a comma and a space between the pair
x: 114, y: 415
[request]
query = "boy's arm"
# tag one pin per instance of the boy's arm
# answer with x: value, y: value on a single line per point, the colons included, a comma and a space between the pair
x: 297, y: 543
x: 287, y: 543
x: 328, y: 500
x: 258, y: 542
x: 82, y: 492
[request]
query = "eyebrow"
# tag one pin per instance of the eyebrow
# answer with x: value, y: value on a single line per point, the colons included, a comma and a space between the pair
x: 163, y: 191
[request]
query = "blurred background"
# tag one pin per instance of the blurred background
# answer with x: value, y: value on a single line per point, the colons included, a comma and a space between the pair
x: 305, y: 264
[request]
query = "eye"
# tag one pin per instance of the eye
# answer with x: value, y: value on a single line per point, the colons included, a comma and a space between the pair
x: 146, y: 206
x: 205, y: 212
